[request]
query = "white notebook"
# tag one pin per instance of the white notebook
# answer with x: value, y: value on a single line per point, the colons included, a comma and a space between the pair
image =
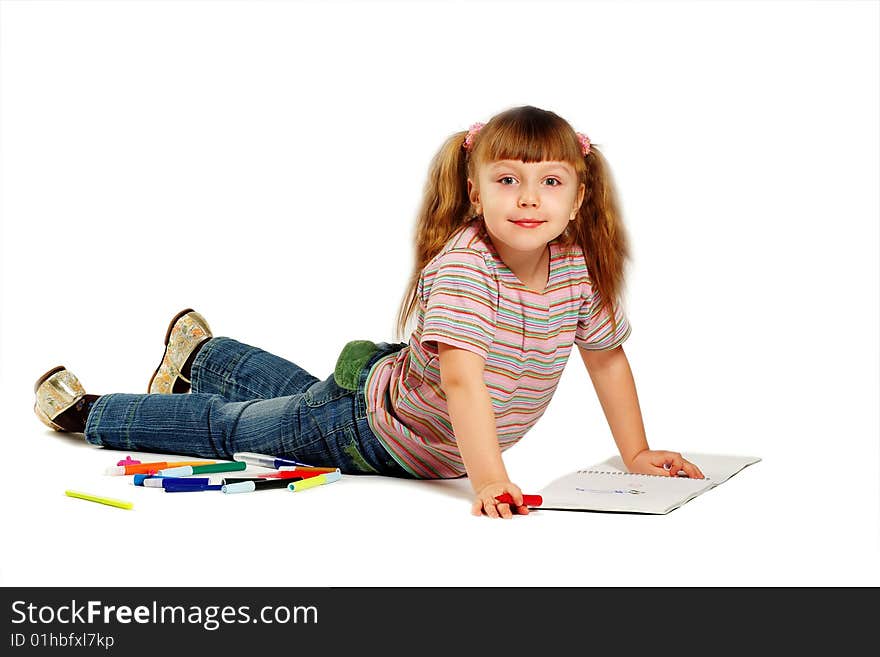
x: 607, y: 486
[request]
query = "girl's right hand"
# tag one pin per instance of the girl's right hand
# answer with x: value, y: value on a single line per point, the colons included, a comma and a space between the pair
x: 485, y: 501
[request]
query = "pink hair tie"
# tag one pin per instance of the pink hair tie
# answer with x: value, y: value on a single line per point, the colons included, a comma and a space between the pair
x: 472, y: 132
x: 476, y: 127
x: 585, y: 142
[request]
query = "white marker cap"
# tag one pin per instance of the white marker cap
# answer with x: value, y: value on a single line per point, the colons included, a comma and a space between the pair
x: 181, y: 471
x: 251, y: 458
x: 115, y: 470
x: 239, y: 487
x: 154, y: 482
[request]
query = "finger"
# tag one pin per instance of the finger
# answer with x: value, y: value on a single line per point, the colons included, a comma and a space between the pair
x: 676, y: 466
x: 692, y: 470
x: 504, y: 511
x: 477, y: 508
x: 522, y: 510
x: 510, y: 498
x: 672, y: 461
x: 489, y: 508
x: 517, y: 495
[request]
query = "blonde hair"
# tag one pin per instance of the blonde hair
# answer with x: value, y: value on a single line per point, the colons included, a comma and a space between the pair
x: 528, y: 134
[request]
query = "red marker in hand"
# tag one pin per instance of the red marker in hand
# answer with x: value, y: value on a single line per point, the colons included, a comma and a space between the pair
x: 528, y: 500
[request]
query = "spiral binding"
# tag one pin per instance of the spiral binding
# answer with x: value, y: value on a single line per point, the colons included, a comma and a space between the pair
x: 636, y: 474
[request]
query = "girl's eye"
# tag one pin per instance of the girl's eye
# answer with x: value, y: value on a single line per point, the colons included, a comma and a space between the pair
x: 555, y: 180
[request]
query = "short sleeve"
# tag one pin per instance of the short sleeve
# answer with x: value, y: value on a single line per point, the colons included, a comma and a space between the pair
x: 460, y: 297
x: 595, y: 330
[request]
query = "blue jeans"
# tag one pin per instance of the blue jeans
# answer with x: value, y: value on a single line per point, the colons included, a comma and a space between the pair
x: 245, y: 399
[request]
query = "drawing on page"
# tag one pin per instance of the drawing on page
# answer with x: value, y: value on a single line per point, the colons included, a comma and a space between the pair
x: 611, y: 491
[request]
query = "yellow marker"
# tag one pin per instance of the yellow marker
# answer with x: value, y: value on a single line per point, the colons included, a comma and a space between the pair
x: 311, y: 482
x: 122, y: 504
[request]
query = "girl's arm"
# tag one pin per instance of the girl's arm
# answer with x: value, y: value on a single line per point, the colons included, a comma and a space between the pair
x: 473, y: 422
x: 612, y: 378
x: 470, y: 409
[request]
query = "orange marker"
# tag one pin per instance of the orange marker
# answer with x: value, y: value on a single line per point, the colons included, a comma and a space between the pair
x: 149, y: 468
x: 306, y: 468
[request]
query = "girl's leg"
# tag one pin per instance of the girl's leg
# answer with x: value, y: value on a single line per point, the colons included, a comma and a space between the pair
x: 240, y: 372
x: 323, y: 424
x: 196, y: 424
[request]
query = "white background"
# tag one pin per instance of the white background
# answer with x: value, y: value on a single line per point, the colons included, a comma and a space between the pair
x: 264, y: 162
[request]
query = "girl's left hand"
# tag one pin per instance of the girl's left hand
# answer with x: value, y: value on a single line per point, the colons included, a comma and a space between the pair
x: 659, y: 462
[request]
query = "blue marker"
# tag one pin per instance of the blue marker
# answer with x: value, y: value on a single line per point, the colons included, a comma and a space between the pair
x: 179, y: 482
x: 177, y: 488
x: 139, y: 479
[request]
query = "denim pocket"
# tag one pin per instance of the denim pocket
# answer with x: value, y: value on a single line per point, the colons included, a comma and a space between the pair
x: 348, y: 450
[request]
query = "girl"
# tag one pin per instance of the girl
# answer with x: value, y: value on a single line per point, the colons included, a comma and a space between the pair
x: 519, y: 255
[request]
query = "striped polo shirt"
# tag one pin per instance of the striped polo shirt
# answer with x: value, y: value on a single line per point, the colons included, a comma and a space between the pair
x: 470, y: 299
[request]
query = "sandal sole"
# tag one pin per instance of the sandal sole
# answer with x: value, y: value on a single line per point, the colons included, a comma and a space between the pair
x: 167, y: 340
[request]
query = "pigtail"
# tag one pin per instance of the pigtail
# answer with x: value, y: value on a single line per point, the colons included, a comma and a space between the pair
x: 601, y: 234
x: 444, y: 209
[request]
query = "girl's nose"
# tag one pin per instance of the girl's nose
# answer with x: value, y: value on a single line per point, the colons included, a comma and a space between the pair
x: 527, y: 198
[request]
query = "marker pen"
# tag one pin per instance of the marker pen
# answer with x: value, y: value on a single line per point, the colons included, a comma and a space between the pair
x: 137, y: 468
x: 307, y: 468
x: 187, y: 470
x: 290, y: 474
x: 528, y: 500
x: 238, y: 480
x: 143, y: 468
x: 164, y: 482
x: 177, y: 488
x: 250, y: 485
x: 311, y: 482
x: 263, y: 460
x: 139, y: 479
x: 110, y: 501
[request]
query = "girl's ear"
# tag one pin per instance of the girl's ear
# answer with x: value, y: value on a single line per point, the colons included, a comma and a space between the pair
x: 473, y: 194
x: 580, y: 198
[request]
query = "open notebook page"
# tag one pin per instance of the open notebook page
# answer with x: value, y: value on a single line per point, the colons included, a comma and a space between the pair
x: 608, y: 487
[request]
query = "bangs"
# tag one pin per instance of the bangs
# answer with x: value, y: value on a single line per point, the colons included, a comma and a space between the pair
x: 530, y: 135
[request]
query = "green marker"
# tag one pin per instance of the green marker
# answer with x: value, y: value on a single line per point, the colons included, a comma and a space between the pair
x: 187, y: 470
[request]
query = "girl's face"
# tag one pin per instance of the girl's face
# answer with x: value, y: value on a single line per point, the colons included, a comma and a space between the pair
x: 510, y: 191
